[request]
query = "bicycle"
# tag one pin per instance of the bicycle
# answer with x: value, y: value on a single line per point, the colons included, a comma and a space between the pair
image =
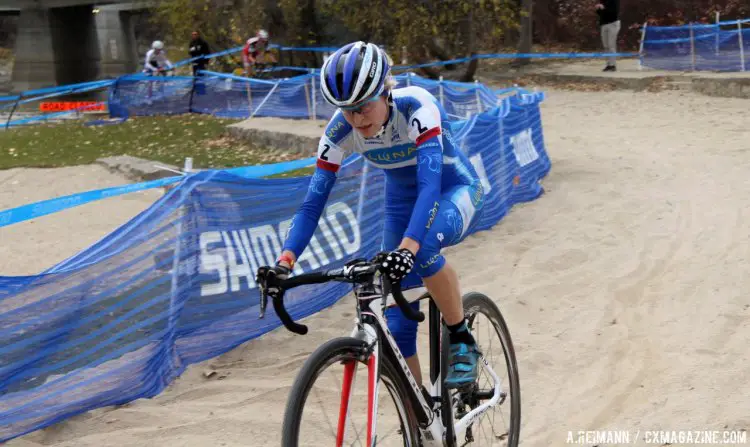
x: 423, y: 417
x: 146, y: 90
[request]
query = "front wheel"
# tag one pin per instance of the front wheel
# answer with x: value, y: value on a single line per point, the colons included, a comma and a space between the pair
x: 328, y: 402
x: 501, y: 424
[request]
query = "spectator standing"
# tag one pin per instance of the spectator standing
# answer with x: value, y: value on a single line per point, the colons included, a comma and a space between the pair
x: 198, y: 47
x: 609, y: 23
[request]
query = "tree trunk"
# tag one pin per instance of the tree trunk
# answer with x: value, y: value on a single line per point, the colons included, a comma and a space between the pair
x: 311, y: 30
x: 471, y: 68
x: 525, y: 41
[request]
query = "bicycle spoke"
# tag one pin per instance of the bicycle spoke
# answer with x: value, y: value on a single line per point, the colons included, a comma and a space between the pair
x: 327, y: 391
x: 486, y: 335
x: 328, y: 421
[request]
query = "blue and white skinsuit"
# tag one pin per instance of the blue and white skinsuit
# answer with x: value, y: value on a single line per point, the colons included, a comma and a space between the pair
x: 433, y: 194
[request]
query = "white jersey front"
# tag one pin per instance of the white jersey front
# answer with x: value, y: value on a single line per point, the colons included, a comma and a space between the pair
x: 415, y: 117
x: 156, y: 61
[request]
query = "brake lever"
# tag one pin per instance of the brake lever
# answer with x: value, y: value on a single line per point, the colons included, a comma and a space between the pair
x: 263, y: 302
x: 259, y: 279
x: 278, y: 304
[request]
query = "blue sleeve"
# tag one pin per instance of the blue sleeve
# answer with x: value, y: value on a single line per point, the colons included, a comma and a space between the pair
x: 305, y: 221
x: 429, y: 179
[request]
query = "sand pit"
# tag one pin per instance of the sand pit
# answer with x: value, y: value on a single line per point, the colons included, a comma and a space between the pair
x: 29, y: 247
x: 625, y: 288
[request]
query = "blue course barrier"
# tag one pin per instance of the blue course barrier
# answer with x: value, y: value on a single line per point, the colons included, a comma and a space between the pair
x: 175, y: 285
x: 429, y: 64
x: 38, y: 209
x: 697, y: 47
x: 30, y: 96
x: 238, y: 97
x: 187, y: 97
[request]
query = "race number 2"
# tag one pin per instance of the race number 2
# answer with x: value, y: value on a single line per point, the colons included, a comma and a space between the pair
x: 415, y: 122
x: 326, y: 148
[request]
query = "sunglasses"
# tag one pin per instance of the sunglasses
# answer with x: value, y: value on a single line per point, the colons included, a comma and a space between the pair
x: 358, y: 108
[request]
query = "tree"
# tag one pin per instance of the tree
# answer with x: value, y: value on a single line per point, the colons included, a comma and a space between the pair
x: 429, y: 30
x: 526, y: 39
x: 421, y: 30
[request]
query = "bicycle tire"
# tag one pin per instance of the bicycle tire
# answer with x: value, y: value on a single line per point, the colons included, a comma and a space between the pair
x: 474, y: 303
x: 325, y: 355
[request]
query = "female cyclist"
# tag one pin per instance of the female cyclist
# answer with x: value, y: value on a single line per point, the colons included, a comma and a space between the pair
x: 433, y: 195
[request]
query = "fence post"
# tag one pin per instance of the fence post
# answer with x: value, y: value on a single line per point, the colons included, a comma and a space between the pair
x: 265, y: 99
x: 643, y: 41
x: 441, y: 94
x: 307, y: 100
x: 479, y: 98
x: 742, y: 45
x: 10, y: 116
x: 362, y: 185
x: 248, y: 89
x: 192, y: 93
x: 718, y: 29
x: 692, y: 46
x: 111, y: 97
x: 314, y: 98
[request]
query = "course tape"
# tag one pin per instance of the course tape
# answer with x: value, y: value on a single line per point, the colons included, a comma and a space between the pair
x: 72, y: 88
x: 105, y: 83
x: 38, y: 209
x: 285, y: 67
x: 208, y: 56
x: 315, y: 49
x: 430, y: 64
x: 699, y: 25
x: 27, y: 100
x: 54, y: 114
x: 235, y: 77
x: 723, y: 36
x: 517, y: 56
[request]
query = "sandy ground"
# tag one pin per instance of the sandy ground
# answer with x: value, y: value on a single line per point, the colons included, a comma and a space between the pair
x: 625, y: 288
x: 29, y: 247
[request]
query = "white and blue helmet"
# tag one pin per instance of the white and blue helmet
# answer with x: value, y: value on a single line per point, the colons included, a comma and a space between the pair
x: 354, y: 74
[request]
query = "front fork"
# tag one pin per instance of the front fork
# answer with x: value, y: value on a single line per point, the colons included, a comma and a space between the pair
x: 369, y: 335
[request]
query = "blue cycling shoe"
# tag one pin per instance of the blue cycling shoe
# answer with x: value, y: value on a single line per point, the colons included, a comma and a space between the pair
x: 463, y: 366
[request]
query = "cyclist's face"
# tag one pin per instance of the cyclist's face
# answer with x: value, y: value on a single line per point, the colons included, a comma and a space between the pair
x: 369, y: 118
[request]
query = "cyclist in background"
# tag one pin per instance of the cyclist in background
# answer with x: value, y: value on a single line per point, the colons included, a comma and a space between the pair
x: 254, y: 47
x: 156, y: 60
x: 433, y: 195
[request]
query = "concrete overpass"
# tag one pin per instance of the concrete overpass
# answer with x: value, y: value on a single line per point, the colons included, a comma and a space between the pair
x: 68, y: 41
x: 47, y: 4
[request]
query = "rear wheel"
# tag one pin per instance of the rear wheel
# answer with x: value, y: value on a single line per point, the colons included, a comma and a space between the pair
x: 500, y: 425
x: 313, y: 415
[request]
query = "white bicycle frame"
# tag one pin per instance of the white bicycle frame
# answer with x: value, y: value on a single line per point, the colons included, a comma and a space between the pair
x: 434, y: 433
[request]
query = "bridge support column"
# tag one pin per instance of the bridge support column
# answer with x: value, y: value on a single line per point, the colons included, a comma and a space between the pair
x: 34, y: 65
x: 116, y: 42
x: 68, y: 45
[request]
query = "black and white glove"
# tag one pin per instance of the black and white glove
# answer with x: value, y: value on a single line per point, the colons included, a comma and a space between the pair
x: 397, y: 264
